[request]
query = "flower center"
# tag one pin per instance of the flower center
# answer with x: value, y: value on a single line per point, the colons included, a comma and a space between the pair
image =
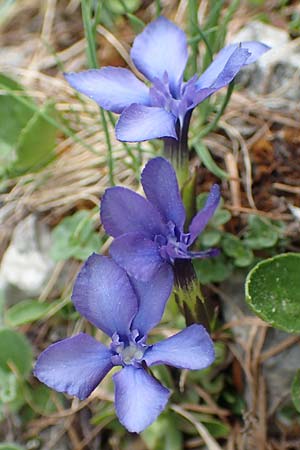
x: 132, y: 353
x: 174, y: 244
x: 162, y: 96
x: 128, y: 351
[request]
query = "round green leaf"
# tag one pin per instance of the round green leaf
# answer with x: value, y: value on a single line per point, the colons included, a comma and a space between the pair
x: 220, y: 217
x: 236, y: 249
x: 210, y: 237
x: 15, y: 350
x: 212, y: 270
x: 273, y: 291
x: 262, y: 233
x: 125, y: 6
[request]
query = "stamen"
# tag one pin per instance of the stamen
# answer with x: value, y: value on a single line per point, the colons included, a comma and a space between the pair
x: 130, y: 352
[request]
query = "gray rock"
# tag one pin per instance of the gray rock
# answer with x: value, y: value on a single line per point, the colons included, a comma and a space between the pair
x: 278, y: 370
x: 26, y: 265
x: 267, y: 34
x: 278, y: 70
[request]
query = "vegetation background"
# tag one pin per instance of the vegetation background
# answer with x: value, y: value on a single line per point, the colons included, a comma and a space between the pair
x: 58, y: 153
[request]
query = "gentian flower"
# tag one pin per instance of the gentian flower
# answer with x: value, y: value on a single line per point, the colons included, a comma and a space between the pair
x: 149, y: 232
x: 160, y: 53
x: 126, y: 310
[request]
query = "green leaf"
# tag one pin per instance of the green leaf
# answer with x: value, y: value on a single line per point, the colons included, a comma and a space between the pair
x: 212, y: 270
x: 41, y: 399
x: 188, y: 197
x: 295, y: 391
x: 208, y: 161
x: 210, y: 237
x: 220, y: 217
x: 75, y: 237
x: 137, y: 24
x: 8, y: 386
x: 123, y: 6
x: 37, y: 141
x: 273, y: 291
x: 235, y: 248
x: 163, y: 434
x: 11, y: 393
x: 262, y: 233
x: 27, y: 311
x: 14, y: 117
x: 27, y: 139
x: 215, y: 427
x: 15, y: 350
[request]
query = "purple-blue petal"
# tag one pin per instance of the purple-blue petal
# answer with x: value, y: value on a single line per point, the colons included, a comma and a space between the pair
x: 211, y: 252
x: 113, y: 88
x: 75, y: 365
x: 201, y: 219
x: 137, y: 254
x: 139, y: 398
x: 104, y: 295
x: 220, y: 79
x: 160, y: 48
x: 191, y: 348
x: 152, y: 297
x: 255, y: 48
x: 140, y: 123
x: 161, y: 188
x: 125, y: 211
x: 228, y: 62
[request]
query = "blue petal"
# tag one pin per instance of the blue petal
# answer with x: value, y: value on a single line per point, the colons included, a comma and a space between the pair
x: 152, y: 297
x: 75, y: 365
x: 160, y: 48
x: 103, y: 295
x: 228, y: 62
x: 200, y: 221
x: 137, y: 254
x: 205, y: 253
x: 140, y: 123
x: 161, y: 188
x: 139, y: 398
x: 125, y: 211
x: 257, y: 49
x: 113, y: 88
x: 218, y: 80
x: 192, y: 349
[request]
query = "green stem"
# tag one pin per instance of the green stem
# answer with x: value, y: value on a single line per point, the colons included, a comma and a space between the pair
x: 90, y: 29
x: 158, y: 8
x: 193, y: 31
x: 177, y: 151
x: 211, y: 126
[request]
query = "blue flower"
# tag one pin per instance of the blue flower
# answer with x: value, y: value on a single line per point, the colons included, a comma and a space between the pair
x: 149, y: 232
x: 126, y: 310
x: 160, y: 53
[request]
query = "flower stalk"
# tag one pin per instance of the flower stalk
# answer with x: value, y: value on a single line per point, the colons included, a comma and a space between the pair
x: 188, y: 295
x: 177, y: 150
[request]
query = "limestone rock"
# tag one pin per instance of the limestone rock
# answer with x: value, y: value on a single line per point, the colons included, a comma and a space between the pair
x: 26, y: 264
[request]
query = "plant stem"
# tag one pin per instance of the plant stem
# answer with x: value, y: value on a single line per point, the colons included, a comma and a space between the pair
x: 90, y: 25
x: 177, y: 151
